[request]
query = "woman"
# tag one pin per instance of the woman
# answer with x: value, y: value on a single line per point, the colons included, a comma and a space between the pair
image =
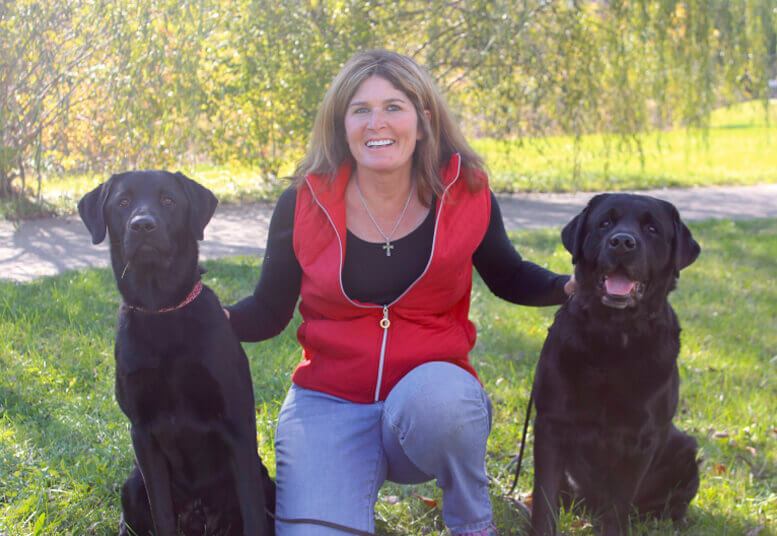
x: 378, y: 236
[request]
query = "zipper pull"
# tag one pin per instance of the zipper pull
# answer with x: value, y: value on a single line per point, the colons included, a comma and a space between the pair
x: 385, y: 322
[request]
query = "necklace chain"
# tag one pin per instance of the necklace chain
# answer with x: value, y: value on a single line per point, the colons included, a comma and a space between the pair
x: 388, y: 246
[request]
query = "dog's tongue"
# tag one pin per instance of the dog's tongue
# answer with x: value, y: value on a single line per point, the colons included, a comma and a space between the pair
x: 618, y: 284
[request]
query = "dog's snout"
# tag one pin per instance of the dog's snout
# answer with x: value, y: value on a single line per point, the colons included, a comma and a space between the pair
x: 622, y: 242
x: 143, y: 223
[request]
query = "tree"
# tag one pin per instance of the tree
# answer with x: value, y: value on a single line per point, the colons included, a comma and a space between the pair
x: 45, y: 53
x: 110, y: 85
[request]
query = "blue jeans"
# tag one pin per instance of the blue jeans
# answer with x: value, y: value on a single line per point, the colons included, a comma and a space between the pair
x: 333, y: 455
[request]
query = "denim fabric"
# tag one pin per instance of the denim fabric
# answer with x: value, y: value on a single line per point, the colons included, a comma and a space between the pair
x: 333, y: 455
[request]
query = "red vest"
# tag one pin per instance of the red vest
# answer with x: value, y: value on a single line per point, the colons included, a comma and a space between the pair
x: 359, y: 351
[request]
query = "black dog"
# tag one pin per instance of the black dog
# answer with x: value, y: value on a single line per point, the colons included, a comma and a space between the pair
x: 607, y: 385
x: 182, y: 377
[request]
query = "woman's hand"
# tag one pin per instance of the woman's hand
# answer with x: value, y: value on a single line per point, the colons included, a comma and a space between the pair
x: 569, y: 287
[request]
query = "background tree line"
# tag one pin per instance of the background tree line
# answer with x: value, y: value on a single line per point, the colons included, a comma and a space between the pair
x: 102, y: 84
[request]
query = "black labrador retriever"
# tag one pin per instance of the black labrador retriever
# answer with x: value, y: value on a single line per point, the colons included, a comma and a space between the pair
x: 182, y: 377
x: 607, y: 385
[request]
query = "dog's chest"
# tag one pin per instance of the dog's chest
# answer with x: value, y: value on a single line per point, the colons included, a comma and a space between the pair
x: 166, y: 387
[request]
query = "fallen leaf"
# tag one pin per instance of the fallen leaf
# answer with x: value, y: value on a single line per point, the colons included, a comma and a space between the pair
x: 720, y: 435
x: 428, y: 501
x: 580, y: 524
x: 523, y: 505
x: 752, y: 451
x: 391, y: 499
x: 719, y: 469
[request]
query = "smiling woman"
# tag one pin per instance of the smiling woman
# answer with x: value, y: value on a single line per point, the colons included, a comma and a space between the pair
x: 381, y: 128
x: 378, y: 235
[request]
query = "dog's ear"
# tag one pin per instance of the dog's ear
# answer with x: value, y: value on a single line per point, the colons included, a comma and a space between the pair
x: 573, y: 233
x: 91, y: 208
x: 202, y: 204
x: 685, y: 249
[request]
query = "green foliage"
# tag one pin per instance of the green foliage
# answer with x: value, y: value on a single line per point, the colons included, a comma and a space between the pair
x: 92, y: 86
x: 65, y: 449
x: 738, y: 148
x: 47, y: 55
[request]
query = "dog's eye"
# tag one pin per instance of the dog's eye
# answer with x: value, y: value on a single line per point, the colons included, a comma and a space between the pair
x: 604, y: 224
x: 167, y: 201
x: 123, y: 202
x: 652, y: 229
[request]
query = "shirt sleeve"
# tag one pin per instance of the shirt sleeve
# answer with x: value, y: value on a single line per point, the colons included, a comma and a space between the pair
x: 270, y: 308
x: 510, y: 277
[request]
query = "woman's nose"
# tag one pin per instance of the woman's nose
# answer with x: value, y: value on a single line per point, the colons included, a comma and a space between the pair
x: 376, y: 120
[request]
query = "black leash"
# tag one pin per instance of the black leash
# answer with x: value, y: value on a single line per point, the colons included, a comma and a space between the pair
x: 523, y: 441
x: 328, y: 524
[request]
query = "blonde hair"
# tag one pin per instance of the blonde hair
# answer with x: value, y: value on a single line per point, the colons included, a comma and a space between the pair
x: 441, y: 136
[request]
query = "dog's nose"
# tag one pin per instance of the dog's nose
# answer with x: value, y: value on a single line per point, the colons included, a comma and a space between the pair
x: 143, y: 223
x: 622, y: 242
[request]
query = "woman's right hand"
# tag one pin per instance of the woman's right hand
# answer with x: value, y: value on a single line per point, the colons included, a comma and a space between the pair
x: 569, y: 287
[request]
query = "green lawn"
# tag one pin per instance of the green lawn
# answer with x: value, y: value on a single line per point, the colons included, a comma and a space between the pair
x: 65, y: 448
x: 740, y: 147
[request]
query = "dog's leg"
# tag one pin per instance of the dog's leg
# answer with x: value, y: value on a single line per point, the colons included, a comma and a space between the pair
x: 672, y: 479
x: 625, y: 480
x: 548, y: 474
x: 156, y: 477
x: 245, y: 466
x: 136, y: 516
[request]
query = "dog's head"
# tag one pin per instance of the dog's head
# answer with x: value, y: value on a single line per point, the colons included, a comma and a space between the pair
x: 154, y: 220
x: 628, y: 249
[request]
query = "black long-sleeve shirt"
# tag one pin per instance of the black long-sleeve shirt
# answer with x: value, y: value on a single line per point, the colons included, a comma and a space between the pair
x: 371, y: 276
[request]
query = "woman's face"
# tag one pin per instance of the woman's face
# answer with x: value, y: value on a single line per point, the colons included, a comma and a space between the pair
x: 381, y: 127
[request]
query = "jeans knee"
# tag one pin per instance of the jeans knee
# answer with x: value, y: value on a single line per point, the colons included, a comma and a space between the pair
x: 454, y: 424
x: 442, y: 423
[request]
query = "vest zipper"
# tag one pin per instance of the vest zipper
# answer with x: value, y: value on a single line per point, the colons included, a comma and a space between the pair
x: 384, y: 323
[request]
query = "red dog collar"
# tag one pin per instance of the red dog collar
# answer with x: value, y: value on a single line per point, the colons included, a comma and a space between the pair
x: 190, y: 298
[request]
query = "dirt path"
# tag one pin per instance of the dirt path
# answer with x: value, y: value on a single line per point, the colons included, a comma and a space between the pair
x: 45, y: 247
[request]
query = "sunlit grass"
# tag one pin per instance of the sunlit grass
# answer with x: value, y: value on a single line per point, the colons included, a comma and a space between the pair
x: 739, y: 148
x: 65, y: 449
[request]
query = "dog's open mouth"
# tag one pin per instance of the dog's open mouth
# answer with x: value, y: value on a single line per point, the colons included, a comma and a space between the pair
x: 619, y: 290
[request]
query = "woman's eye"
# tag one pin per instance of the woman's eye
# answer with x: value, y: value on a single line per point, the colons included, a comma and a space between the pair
x: 360, y: 110
x: 393, y: 108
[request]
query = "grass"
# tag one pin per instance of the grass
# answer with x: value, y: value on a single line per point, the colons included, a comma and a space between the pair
x: 740, y: 147
x: 65, y: 448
